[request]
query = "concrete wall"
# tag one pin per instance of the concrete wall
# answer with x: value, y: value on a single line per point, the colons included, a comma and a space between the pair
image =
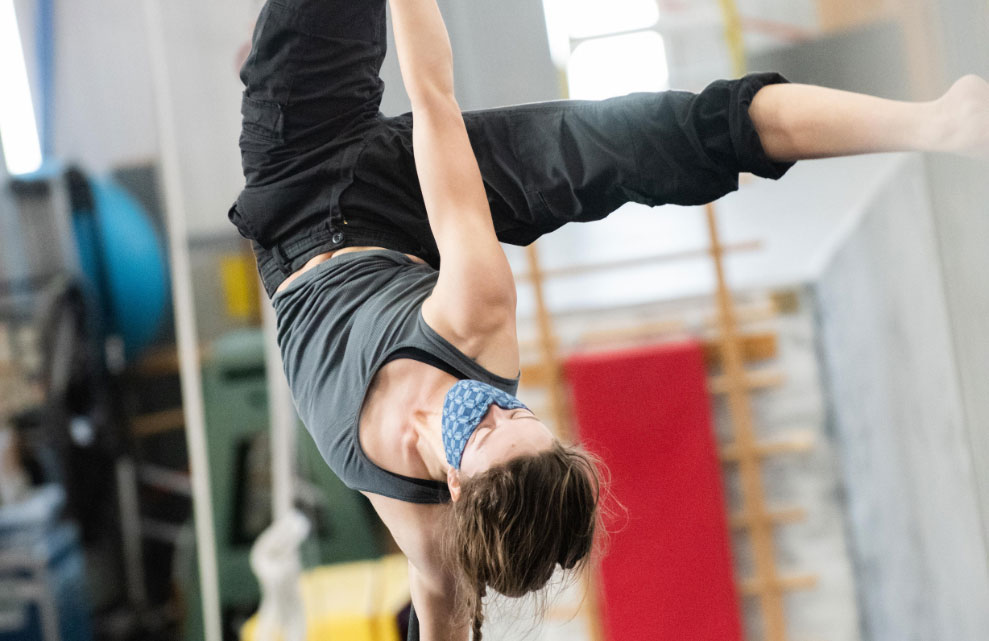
x: 960, y: 199
x: 898, y: 418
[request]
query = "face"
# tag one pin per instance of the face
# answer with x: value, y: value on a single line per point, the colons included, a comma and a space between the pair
x: 500, y: 436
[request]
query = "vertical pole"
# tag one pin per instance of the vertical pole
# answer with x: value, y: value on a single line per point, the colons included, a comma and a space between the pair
x: 548, y: 349
x: 740, y: 411
x: 281, y: 415
x: 130, y: 528
x: 185, y: 325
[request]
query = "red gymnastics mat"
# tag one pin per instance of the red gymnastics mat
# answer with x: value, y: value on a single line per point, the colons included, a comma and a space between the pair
x: 667, y: 574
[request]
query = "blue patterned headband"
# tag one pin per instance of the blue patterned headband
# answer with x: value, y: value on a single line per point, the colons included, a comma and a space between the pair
x: 465, y: 406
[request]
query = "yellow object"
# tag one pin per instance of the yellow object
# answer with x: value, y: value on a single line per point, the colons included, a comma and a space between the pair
x: 351, y: 601
x: 239, y: 286
x: 733, y: 35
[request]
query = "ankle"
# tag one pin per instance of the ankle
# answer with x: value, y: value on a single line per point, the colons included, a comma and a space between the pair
x: 939, y: 126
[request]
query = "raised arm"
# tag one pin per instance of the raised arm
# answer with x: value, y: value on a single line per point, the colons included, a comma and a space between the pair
x: 475, y: 293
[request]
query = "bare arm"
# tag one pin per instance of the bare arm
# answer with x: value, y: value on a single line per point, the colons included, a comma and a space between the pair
x: 475, y: 293
x: 415, y: 529
x: 436, y: 608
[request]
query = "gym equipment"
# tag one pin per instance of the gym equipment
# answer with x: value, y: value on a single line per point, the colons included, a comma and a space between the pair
x: 665, y: 471
x: 41, y: 571
x: 236, y: 404
x: 355, y: 601
x: 122, y: 259
x: 82, y: 276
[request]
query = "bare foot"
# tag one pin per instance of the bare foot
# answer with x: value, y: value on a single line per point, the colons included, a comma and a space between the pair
x: 964, y: 112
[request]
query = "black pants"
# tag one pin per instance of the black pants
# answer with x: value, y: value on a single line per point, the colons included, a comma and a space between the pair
x: 325, y: 169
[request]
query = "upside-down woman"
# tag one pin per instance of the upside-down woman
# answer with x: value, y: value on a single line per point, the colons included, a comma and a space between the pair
x: 404, y: 369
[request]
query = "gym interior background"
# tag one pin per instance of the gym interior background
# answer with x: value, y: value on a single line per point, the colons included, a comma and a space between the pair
x: 830, y: 480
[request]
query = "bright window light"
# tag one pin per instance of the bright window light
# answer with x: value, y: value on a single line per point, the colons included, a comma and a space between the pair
x: 18, y: 128
x: 606, y: 67
x: 587, y: 18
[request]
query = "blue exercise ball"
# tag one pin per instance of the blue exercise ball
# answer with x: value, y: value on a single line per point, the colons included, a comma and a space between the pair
x: 124, y: 260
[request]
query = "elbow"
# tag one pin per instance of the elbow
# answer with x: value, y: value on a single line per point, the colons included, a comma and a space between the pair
x: 499, y: 305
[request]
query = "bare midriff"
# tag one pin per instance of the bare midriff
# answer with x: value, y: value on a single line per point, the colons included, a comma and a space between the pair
x: 322, y: 258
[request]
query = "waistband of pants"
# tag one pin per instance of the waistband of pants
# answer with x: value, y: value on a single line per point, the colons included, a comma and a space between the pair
x: 280, y: 261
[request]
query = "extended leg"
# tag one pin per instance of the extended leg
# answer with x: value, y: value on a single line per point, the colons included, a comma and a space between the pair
x: 797, y: 122
x: 548, y: 164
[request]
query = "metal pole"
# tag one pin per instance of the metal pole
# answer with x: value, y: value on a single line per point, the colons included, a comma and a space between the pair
x: 185, y: 325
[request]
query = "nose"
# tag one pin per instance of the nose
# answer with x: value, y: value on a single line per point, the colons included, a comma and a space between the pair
x: 493, y: 416
x: 498, y: 413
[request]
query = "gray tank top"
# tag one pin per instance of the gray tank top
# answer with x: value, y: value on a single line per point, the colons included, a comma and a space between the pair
x: 338, y: 324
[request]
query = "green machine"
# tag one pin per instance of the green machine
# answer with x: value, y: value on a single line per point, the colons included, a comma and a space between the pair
x: 344, y: 526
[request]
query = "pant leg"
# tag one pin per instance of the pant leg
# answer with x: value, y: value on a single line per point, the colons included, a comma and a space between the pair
x: 548, y: 164
x: 312, y: 71
x: 413, y: 625
x: 311, y: 87
x: 578, y: 161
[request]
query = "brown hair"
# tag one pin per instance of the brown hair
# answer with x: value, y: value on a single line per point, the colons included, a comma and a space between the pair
x: 515, y: 522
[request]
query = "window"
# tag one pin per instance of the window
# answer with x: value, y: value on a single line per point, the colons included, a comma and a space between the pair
x: 18, y: 128
x: 617, y: 65
x: 608, y: 47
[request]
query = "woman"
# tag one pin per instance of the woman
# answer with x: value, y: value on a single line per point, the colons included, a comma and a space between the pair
x: 405, y: 375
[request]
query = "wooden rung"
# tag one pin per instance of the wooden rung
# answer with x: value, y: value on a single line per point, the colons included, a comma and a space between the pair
x: 700, y: 252
x: 163, y: 361
x: 158, y: 422
x: 537, y: 374
x: 795, y: 443
x: 753, y: 587
x: 776, y: 517
x: 753, y: 380
x: 753, y: 313
x: 755, y: 347
x: 645, y: 331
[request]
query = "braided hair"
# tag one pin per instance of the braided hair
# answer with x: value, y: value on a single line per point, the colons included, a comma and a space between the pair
x: 516, y: 522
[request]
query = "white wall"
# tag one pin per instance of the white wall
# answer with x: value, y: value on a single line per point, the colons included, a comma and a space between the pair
x: 105, y: 104
x: 960, y: 197
x: 104, y: 112
x: 104, y: 99
x: 898, y: 421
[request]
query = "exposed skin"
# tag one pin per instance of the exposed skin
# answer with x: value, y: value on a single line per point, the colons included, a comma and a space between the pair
x: 416, y: 416
x: 799, y: 122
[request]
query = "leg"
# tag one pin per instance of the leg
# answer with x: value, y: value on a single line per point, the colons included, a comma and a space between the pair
x: 578, y: 161
x: 312, y: 71
x: 311, y: 86
x: 797, y: 122
x: 547, y: 164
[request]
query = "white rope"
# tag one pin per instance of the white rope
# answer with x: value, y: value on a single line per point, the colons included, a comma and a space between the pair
x: 185, y: 324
